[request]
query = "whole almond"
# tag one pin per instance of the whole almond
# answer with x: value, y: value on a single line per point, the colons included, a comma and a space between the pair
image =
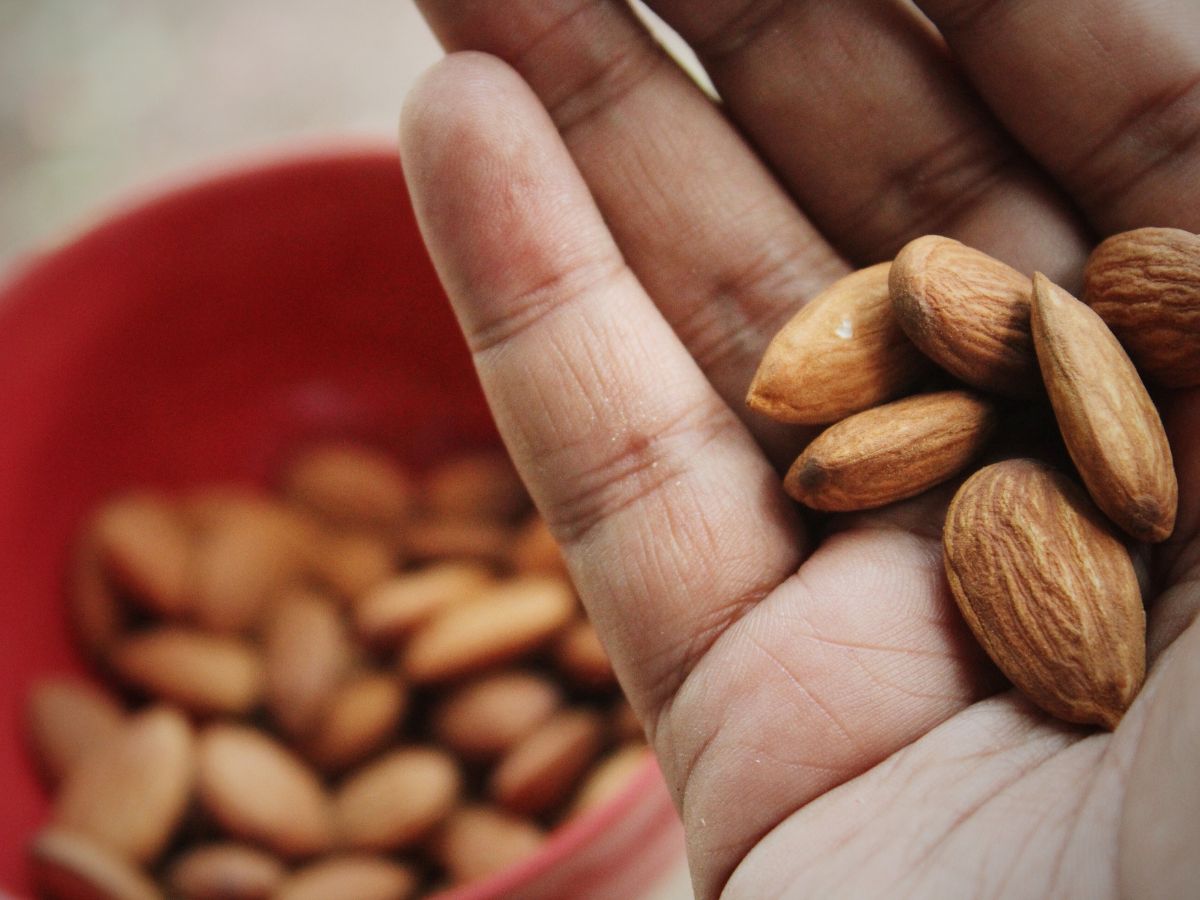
x: 891, y: 452
x: 307, y: 652
x: 353, y: 563
x: 350, y: 485
x: 350, y: 877
x: 487, y: 717
x: 435, y: 538
x: 1048, y: 590
x: 479, y: 486
x: 397, y: 800
x: 843, y: 352
x: 225, y: 871
x: 69, y: 866
x: 1107, y: 419
x: 362, y: 714
x: 204, y: 673
x: 394, y: 608
x: 496, y: 627
x: 539, y: 772
x: 535, y: 551
x: 130, y: 792
x: 477, y: 841
x: 146, y: 545
x: 67, y: 718
x: 580, y: 656
x: 968, y: 312
x: 610, y: 776
x: 261, y: 792
x: 1146, y: 285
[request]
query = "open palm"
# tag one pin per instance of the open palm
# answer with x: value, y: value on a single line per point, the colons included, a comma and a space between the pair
x: 620, y: 248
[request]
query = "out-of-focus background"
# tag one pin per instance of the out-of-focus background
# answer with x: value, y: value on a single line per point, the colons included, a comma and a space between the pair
x: 102, y: 99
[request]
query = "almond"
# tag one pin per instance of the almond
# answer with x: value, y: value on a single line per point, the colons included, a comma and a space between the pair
x: 625, y: 724
x: 350, y: 485
x: 204, y: 673
x: 146, y: 546
x: 259, y: 791
x: 397, y: 800
x: 97, y: 616
x: 478, y: 841
x: 480, y: 486
x: 433, y: 538
x: 393, y: 609
x: 1146, y: 285
x: 226, y: 872
x: 485, y: 718
x: 307, y: 653
x: 539, y: 772
x: 968, y: 312
x: 351, y: 564
x: 67, y: 719
x: 1048, y: 590
x: 891, y: 452
x: 68, y: 866
x: 535, y: 551
x: 129, y: 793
x: 1107, y: 419
x: 358, y: 720
x: 351, y: 877
x: 496, y: 627
x: 581, y: 657
x: 843, y: 352
x: 610, y: 776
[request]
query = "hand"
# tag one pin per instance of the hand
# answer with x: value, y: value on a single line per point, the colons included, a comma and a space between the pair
x: 619, y: 250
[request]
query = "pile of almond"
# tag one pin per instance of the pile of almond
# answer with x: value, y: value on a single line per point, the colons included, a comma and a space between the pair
x: 366, y: 685
x: 921, y: 366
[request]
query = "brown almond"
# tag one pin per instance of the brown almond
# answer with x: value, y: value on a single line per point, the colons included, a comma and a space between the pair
x: 351, y: 877
x: 580, y: 656
x: 610, y: 776
x: 395, y: 801
x: 479, y: 486
x: 363, y: 713
x: 350, y: 485
x: 478, y: 841
x: 488, y: 717
x: 393, y: 609
x: 496, y: 627
x: 1145, y: 284
x: 968, y: 312
x: 843, y: 352
x: 431, y: 538
x: 307, y: 653
x: 68, y: 718
x: 146, y: 545
x: 204, y: 673
x: 261, y: 792
x: 353, y: 563
x: 1108, y: 421
x: 1048, y: 590
x: 891, y: 452
x: 625, y: 724
x: 97, y: 615
x: 535, y: 551
x: 69, y: 866
x: 539, y: 772
x: 225, y: 871
x: 129, y: 793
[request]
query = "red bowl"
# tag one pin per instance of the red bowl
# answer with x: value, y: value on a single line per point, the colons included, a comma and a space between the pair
x: 196, y: 336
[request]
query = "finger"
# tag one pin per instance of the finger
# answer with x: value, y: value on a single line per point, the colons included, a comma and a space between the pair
x: 874, y: 131
x: 1105, y: 93
x: 672, y: 521
x: 703, y: 224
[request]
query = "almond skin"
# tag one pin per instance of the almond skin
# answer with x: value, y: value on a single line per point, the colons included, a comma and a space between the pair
x: 68, y: 718
x: 535, y: 551
x: 259, y: 791
x: 488, y: 717
x: 69, y: 866
x: 350, y: 486
x: 843, y: 352
x: 480, y: 486
x: 1108, y: 421
x: 97, y: 617
x: 1146, y: 285
x: 359, y: 718
x: 398, y: 799
x: 350, y: 877
x: 1048, y: 590
x: 204, y: 673
x: 538, y: 773
x: 393, y: 609
x: 146, y: 546
x: 479, y: 840
x: 226, y: 872
x: 580, y: 656
x: 129, y: 793
x: 968, y: 312
x: 891, y: 452
x: 610, y: 776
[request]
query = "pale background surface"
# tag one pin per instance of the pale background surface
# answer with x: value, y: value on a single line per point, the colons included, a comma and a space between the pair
x: 99, y: 98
